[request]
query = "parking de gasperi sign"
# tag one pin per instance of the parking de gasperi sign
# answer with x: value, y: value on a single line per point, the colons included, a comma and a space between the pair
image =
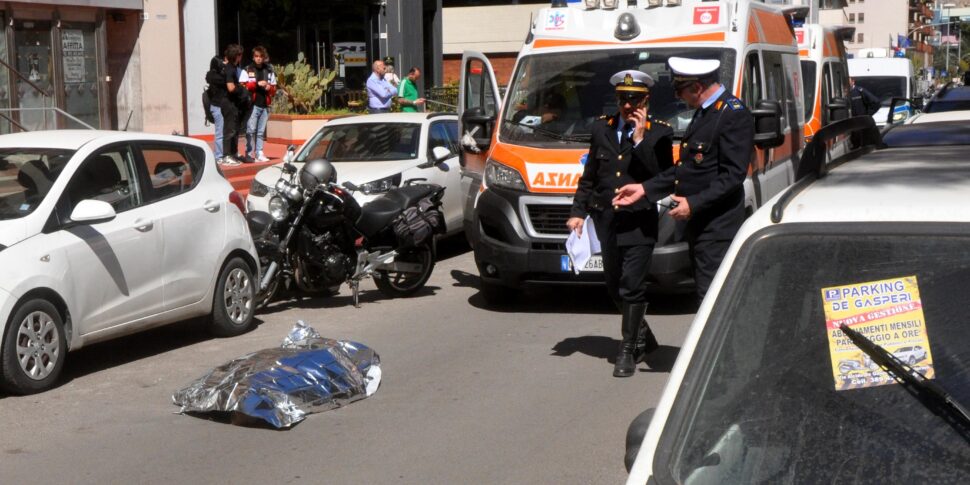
x: 887, y: 312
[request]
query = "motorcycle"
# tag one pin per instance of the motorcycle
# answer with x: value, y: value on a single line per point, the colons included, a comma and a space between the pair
x: 316, y: 236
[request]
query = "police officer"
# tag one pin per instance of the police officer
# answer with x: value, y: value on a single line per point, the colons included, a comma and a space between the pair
x: 706, y: 184
x: 629, y: 147
x: 861, y: 100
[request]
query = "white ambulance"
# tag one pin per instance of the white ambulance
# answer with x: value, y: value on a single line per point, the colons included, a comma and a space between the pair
x: 887, y: 78
x: 825, y: 74
x: 519, y: 177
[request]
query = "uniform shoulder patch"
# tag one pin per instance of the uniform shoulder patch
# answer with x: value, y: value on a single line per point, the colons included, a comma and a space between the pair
x: 735, y: 104
x: 659, y: 121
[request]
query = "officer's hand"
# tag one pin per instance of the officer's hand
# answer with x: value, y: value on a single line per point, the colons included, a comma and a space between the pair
x: 575, y: 224
x: 639, y: 124
x: 682, y: 211
x: 628, y: 194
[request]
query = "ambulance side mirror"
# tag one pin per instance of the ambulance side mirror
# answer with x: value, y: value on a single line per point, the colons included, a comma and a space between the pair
x: 767, y: 124
x: 479, y: 125
x: 838, y: 109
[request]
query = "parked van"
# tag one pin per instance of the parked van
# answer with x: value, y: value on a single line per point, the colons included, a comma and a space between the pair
x: 825, y: 74
x: 519, y: 178
x: 886, y: 78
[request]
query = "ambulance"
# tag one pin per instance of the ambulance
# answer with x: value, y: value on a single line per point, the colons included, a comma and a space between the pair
x: 887, y: 78
x: 825, y: 74
x: 522, y: 155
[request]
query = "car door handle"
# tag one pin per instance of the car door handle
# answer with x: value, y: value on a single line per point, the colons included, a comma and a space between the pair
x: 142, y: 225
x: 211, y: 206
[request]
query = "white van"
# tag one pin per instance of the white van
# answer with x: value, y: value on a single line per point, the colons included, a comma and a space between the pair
x: 886, y: 78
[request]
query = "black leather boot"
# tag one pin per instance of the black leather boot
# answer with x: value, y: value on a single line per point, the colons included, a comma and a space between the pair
x: 626, y: 364
x: 646, y: 342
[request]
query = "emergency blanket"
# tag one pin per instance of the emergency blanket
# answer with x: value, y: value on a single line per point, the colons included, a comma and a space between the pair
x: 306, y: 374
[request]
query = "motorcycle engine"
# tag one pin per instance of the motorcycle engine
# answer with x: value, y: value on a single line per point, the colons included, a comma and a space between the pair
x: 325, y: 265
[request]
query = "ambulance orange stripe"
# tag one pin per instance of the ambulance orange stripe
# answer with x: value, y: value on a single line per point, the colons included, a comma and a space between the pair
x: 775, y: 29
x: 709, y: 37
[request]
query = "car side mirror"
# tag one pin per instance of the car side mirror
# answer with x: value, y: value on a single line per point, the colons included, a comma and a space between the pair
x: 634, y: 436
x: 838, y: 109
x: 892, y: 117
x: 440, y: 154
x: 767, y: 124
x: 290, y: 153
x: 289, y: 167
x: 478, y: 126
x: 92, y: 212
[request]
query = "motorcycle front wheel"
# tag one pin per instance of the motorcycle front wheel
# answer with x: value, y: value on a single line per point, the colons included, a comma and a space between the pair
x: 415, y: 266
x: 264, y: 298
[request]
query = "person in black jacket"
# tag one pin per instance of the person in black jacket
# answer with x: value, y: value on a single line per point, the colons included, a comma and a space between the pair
x: 231, y: 97
x: 629, y: 147
x: 706, y: 184
x: 862, y: 101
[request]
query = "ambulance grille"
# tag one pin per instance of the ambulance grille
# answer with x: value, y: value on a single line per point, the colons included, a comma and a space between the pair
x: 549, y: 219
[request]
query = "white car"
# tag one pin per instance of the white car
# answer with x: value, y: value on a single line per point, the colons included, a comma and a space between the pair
x: 877, y: 241
x: 103, y: 234
x: 379, y: 152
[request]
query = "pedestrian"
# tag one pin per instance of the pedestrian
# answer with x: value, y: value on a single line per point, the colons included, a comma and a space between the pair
x: 706, y: 185
x: 379, y: 91
x: 629, y: 147
x: 260, y: 81
x: 389, y: 74
x: 229, y: 92
x: 862, y: 101
x: 408, y: 92
x: 216, y: 80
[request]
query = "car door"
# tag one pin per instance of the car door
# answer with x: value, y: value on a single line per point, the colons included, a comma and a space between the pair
x: 192, y: 216
x: 114, y: 272
x: 444, y: 133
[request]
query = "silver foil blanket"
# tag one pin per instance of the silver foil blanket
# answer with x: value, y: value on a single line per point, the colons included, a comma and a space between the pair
x: 280, y: 386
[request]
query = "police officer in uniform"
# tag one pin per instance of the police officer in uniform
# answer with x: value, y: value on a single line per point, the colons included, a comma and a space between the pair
x: 629, y: 147
x: 706, y: 183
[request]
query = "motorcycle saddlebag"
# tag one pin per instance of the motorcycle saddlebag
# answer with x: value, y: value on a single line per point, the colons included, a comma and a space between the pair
x: 418, y: 224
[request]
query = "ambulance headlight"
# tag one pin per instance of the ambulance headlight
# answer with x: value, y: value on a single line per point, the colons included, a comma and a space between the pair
x: 900, y: 116
x: 592, y: 3
x: 499, y: 175
x: 610, y: 4
x: 626, y: 27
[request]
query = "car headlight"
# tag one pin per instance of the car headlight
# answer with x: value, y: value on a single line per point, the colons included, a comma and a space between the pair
x: 501, y: 176
x: 258, y: 189
x: 279, y: 209
x: 900, y: 116
x: 380, y: 186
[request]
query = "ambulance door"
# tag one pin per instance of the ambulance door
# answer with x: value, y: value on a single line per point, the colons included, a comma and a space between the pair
x: 779, y: 85
x: 478, y: 108
x: 752, y: 91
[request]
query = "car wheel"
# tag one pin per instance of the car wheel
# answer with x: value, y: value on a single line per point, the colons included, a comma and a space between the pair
x: 235, y: 299
x: 912, y: 360
x: 34, y: 348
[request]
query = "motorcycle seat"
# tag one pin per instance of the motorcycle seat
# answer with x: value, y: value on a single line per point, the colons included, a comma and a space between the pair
x: 378, y: 213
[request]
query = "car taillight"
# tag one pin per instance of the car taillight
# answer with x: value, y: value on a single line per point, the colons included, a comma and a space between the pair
x: 236, y: 199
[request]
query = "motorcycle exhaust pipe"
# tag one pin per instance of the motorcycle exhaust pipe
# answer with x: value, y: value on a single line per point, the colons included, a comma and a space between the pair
x: 268, y: 276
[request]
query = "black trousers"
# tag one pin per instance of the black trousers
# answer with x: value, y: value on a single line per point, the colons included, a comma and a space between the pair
x: 706, y: 256
x: 234, y: 119
x: 626, y: 269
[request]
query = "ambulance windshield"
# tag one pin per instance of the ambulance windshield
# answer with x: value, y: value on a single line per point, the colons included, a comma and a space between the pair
x: 555, y: 98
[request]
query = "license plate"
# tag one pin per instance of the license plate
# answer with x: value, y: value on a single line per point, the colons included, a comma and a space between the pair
x: 594, y: 265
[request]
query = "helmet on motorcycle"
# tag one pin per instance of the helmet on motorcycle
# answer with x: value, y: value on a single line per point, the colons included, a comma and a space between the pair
x: 317, y: 172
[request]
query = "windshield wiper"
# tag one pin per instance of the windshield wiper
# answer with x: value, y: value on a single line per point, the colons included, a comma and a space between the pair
x: 552, y: 134
x: 905, y: 372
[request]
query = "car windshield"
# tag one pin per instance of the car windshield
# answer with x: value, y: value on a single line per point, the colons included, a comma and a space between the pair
x: 26, y: 175
x: 364, y: 142
x: 884, y: 87
x: 554, y: 98
x: 759, y: 402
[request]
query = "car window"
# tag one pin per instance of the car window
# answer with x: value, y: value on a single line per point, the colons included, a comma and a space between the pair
x: 751, y: 91
x: 109, y: 176
x: 438, y: 136
x: 26, y: 176
x: 364, y: 142
x: 759, y: 402
x: 171, y: 169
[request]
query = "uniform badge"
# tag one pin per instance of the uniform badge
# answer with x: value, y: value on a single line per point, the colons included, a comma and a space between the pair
x: 735, y: 104
x: 628, y: 80
x: 698, y: 157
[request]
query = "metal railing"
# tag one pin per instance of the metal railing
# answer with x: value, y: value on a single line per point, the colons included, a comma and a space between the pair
x: 5, y: 113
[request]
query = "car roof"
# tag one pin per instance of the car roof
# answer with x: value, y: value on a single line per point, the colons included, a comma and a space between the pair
x: 911, y: 184
x: 956, y: 115
x: 939, y: 133
x: 953, y: 93
x: 75, y: 139
x: 392, y: 118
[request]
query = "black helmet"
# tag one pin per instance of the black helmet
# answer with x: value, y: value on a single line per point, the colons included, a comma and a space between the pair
x: 317, y: 172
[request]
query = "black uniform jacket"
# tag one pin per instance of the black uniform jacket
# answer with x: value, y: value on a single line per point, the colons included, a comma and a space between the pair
x: 611, y: 165
x: 863, y: 102
x: 714, y: 157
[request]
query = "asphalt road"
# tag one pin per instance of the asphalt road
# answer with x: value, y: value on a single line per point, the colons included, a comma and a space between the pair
x: 520, y: 393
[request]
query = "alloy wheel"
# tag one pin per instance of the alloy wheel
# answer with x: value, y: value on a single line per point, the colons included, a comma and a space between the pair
x: 38, y: 345
x: 238, y: 296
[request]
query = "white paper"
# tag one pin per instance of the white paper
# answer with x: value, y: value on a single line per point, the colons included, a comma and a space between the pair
x: 581, y: 248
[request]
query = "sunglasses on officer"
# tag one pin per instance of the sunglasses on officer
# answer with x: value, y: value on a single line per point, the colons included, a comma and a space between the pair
x: 634, y: 99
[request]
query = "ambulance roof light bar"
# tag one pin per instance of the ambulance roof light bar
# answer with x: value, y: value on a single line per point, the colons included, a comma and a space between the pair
x: 669, y: 3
